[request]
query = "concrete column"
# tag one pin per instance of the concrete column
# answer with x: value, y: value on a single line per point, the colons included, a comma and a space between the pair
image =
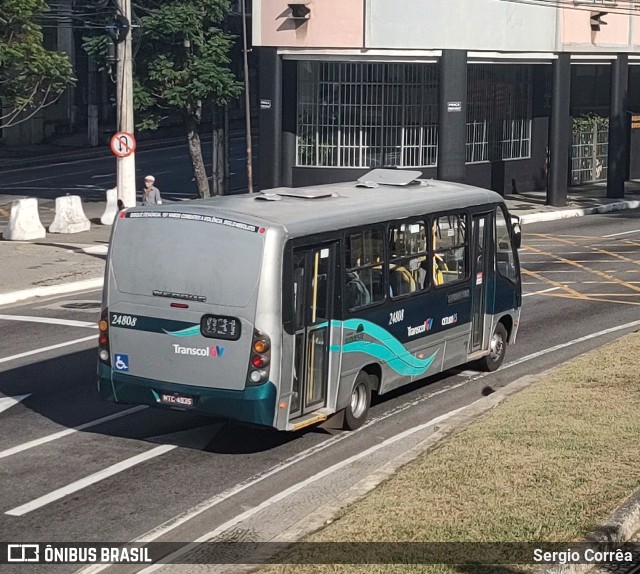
x: 618, y: 156
x: 452, y: 123
x: 560, y: 131
x: 289, y: 120
x: 270, y: 120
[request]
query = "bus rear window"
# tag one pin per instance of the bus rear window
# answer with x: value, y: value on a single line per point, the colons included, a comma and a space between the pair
x: 203, y: 260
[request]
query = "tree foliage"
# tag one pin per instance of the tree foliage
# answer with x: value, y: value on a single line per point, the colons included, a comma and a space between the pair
x: 181, y: 65
x: 31, y: 77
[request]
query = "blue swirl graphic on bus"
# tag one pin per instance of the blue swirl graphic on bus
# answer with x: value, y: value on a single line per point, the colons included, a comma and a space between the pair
x: 188, y: 332
x: 388, y: 349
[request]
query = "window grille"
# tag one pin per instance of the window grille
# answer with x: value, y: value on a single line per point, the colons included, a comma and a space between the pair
x: 354, y: 114
x: 498, y: 112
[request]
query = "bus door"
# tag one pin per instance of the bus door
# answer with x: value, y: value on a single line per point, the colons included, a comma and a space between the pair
x: 480, y: 239
x: 314, y: 270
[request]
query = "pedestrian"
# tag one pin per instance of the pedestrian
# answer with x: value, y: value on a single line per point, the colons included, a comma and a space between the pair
x: 150, y: 194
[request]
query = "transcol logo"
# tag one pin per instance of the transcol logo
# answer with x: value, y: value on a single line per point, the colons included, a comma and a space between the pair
x: 214, y: 351
x: 426, y: 326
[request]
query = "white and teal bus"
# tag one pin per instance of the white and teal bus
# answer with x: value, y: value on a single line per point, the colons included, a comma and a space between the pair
x: 285, y: 307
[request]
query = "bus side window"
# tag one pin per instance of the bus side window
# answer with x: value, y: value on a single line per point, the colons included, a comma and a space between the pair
x: 449, y: 239
x: 364, y: 253
x: 504, y: 249
x: 407, y: 253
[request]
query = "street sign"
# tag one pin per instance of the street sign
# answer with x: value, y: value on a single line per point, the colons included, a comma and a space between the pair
x: 123, y: 144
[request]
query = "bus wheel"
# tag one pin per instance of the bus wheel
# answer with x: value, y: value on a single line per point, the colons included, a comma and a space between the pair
x: 497, y: 350
x: 356, y: 412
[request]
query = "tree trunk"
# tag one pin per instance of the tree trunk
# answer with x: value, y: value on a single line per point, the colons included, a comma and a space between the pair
x: 192, y: 124
x: 219, y: 154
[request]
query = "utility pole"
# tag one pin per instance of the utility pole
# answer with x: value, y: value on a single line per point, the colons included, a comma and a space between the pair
x: 126, y: 166
x: 247, y: 99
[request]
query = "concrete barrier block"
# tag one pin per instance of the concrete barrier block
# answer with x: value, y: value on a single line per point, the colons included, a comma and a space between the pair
x: 24, y: 221
x: 111, y: 210
x: 70, y: 217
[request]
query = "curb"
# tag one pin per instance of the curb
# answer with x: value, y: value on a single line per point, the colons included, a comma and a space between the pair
x: 609, y: 537
x: 84, y: 285
x: 579, y: 212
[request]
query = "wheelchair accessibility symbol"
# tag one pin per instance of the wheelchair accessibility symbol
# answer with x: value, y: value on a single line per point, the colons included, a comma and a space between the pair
x: 121, y: 362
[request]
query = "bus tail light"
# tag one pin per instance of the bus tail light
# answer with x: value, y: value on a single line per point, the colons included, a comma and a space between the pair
x: 103, y: 338
x: 260, y: 359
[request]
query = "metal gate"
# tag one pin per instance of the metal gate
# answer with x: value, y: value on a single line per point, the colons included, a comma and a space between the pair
x: 589, y: 149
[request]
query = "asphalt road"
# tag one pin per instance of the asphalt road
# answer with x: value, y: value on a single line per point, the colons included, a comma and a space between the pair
x: 90, y: 178
x: 582, y: 289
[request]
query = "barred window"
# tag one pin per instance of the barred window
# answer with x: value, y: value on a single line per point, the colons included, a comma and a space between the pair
x: 498, y: 112
x: 355, y: 114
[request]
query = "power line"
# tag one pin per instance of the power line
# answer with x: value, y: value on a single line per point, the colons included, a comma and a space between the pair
x: 624, y: 7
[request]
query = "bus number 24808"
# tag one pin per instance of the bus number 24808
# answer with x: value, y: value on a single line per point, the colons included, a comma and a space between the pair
x: 124, y: 320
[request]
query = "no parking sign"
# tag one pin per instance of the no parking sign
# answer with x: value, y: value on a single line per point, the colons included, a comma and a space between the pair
x: 123, y: 144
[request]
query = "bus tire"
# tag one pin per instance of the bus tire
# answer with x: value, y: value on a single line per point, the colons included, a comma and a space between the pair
x: 497, y: 350
x: 356, y: 412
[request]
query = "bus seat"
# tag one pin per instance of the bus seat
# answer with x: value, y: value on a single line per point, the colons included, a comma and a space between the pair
x: 357, y: 293
x: 439, y: 269
x: 401, y: 281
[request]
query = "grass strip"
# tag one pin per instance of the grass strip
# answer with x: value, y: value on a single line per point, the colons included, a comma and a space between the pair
x: 549, y: 464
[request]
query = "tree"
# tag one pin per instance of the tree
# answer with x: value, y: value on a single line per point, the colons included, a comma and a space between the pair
x: 181, y: 65
x: 31, y: 77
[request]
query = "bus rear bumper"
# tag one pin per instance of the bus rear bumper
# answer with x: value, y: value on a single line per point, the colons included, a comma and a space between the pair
x: 253, y: 404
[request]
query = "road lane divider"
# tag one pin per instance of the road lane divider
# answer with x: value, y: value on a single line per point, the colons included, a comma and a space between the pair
x: 49, y: 348
x: 89, y: 480
x: 55, y: 436
x: 8, y: 402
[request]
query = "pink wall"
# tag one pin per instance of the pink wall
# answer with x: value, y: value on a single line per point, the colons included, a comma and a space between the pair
x: 575, y: 30
x: 332, y: 24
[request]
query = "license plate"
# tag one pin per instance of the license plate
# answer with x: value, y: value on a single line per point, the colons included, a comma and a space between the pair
x: 176, y: 400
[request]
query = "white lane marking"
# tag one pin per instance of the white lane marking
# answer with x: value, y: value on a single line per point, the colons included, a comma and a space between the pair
x: 89, y: 480
x: 299, y: 486
x: 622, y: 233
x: 49, y: 320
x: 572, y: 342
x: 186, y: 516
x: 45, y: 349
x: 55, y: 436
x: 8, y: 402
x: 540, y: 292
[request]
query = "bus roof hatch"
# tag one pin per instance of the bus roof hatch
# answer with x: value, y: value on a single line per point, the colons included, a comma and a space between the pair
x: 299, y: 192
x: 390, y: 177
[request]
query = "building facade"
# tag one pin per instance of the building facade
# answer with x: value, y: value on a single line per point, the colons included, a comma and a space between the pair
x: 506, y: 94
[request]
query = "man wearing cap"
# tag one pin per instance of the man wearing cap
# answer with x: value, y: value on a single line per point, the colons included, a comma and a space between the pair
x: 150, y: 194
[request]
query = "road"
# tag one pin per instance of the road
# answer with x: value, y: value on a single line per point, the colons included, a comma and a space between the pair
x: 90, y: 178
x: 58, y: 472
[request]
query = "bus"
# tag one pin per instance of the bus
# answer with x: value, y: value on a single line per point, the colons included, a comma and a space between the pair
x: 286, y: 307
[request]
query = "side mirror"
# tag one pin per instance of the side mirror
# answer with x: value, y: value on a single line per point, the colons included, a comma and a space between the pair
x: 517, y: 231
